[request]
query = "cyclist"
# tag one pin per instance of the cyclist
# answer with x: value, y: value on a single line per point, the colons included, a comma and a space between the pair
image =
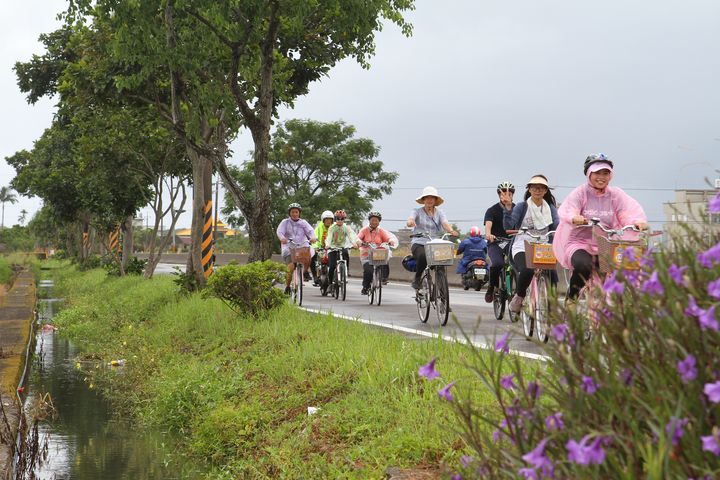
x: 474, y: 247
x: 494, y: 229
x: 575, y: 247
x: 321, y: 230
x: 426, y: 219
x: 342, y: 236
x: 538, y: 213
x: 299, y: 231
x: 373, y: 233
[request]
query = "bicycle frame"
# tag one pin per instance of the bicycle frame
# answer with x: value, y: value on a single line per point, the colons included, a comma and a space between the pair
x: 435, y: 290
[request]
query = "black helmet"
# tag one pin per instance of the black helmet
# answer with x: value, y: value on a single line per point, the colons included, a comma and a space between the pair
x: 409, y: 263
x: 374, y: 214
x: 596, y: 158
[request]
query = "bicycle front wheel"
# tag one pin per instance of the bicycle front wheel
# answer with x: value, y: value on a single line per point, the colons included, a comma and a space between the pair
x: 442, y: 296
x: 378, y: 289
x: 527, y: 311
x: 542, y: 309
x: 297, y: 284
x: 422, y: 298
x: 343, y: 281
x: 509, y: 295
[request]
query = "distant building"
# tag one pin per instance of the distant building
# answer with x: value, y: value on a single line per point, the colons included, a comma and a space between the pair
x: 403, y: 235
x: 690, y: 209
x: 182, y: 235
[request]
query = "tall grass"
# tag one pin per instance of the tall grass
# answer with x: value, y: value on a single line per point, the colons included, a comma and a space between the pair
x: 237, y: 390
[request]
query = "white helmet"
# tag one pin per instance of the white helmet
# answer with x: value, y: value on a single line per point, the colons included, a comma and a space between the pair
x: 327, y: 214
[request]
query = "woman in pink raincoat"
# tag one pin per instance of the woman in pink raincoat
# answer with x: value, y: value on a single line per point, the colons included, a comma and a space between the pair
x: 574, y: 247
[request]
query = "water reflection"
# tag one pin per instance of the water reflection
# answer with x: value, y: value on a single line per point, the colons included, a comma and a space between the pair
x: 86, y: 441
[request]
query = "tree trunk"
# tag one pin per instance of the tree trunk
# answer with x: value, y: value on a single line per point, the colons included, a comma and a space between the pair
x: 128, y: 242
x: 259, y: 228
x: 202, y: 191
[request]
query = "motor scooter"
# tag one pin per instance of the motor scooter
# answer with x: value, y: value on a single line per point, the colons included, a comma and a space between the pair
x: 476, y: 275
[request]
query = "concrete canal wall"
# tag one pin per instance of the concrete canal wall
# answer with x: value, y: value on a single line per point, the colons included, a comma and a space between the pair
x: 17, y: 313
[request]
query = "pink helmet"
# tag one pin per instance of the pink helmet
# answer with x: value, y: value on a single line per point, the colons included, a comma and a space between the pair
x: 475, y: 231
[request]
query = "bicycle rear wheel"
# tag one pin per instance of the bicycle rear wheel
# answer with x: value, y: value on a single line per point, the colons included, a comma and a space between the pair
x: 422, y: 298
x: 442, y: 296
x: 542, y: 309
x: 343, y: 281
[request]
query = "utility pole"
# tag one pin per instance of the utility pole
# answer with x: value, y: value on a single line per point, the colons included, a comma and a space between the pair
x: 217, y: 189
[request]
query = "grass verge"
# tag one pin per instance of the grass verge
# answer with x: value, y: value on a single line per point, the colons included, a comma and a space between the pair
x: 237, y: 390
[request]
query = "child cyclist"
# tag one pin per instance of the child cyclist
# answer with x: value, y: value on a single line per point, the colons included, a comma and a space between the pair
x: 342, y: 236
x: 299, y: 231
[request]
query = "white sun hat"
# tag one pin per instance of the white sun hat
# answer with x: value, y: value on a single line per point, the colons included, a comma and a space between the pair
x: 430, y: 192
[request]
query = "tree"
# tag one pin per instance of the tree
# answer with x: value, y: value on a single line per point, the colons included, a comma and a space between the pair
x: 6, y: 196
x: 23, y: 216
x: 259, y: 54
x: 322, y: 167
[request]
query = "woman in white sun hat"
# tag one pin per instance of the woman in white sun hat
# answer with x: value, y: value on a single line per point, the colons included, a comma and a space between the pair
x: 538, y: 213
x: 426, y: 219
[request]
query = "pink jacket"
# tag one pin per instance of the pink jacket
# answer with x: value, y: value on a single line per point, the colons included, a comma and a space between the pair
x: 613, y: 207
x: 376, y: 236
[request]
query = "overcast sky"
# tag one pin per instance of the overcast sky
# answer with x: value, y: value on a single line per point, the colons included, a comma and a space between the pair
x: 491, y: 90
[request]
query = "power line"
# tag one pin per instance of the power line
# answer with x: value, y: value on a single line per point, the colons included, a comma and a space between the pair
x: 475, y: 187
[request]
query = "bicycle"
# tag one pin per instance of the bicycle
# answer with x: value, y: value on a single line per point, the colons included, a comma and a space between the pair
x: 612, y: 254
x: 300, y: 257
x: 434, y: 290
x: 507, y: 285
x: 378, y: 257
x: 535, y: 311
x: 338, y: 284
x: 321, y: 268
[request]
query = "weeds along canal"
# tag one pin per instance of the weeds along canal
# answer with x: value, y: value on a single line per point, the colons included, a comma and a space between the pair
x: 84, y: 439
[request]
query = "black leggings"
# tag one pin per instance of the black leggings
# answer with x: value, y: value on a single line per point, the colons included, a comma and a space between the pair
x: 524, y: 274
x: 582, y: 265
x: 368, y: 273
x: 418, y: 251
x: 495, y: 252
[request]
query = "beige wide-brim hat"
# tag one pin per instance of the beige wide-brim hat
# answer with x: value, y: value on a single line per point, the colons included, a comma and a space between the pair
x: 538, y: 180
x: 430, y: 192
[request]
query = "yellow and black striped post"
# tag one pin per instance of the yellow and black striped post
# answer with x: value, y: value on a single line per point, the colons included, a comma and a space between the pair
x: 114, y: 240
x: 207, y: 241
x: 86, y: 239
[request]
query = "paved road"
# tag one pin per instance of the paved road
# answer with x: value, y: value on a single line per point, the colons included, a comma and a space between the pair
x: 398, y: 311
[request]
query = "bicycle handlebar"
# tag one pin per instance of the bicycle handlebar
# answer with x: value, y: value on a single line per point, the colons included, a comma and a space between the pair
x: 427, y: 235
x: 595, y: 222
x: 533, y: 235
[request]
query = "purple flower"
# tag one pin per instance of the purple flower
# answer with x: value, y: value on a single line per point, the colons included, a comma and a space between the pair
x: 632, y: 277
x: 585, y: 454
x: 589, y: 385
x: 627, y: 376
x: 714, y: 289
x: 507, y: 382
x: 428, y: 370
x: 707, y: 319
x: 496, y: 436
x: 445, y: 392
x: 538, y: 459
x: 674, y: 428
x: 554, y: 422
x: 676, y: 273
x: 466, y: 461
x: 501, y: 345
x: 559, y: 331
x: 456, y: 477
x: 629, y: 255
x: 534, y: 390
x: 712, y: 391
x: 714, y: 204
x: 611, y: 285
x: 687, y: 369
x: 528, y: 473
x: 711, y: 443
x: 692, y: 308
x: 647, y: 261
x: 709, y: 256
x: 652, y: 285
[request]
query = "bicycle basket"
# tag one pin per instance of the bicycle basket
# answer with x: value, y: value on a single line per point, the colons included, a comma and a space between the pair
x: 613, y: 254
x: 439, y: 252
x: 539, y: 255
x: 378, y: 256
x: 300, y: 255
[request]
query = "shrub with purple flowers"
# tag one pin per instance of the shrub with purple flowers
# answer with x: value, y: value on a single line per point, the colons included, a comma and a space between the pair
x: 640, y: 399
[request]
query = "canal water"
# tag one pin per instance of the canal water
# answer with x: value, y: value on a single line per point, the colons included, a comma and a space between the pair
x: 85, y: 440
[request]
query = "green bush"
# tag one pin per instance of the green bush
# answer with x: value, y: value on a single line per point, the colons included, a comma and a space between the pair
x: 135, y: 266
x: 641, y: 399
x: 5, y: 271
x: 249, y: 289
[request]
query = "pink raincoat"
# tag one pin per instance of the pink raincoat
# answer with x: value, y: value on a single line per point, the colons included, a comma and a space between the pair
x: 612, y: 206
